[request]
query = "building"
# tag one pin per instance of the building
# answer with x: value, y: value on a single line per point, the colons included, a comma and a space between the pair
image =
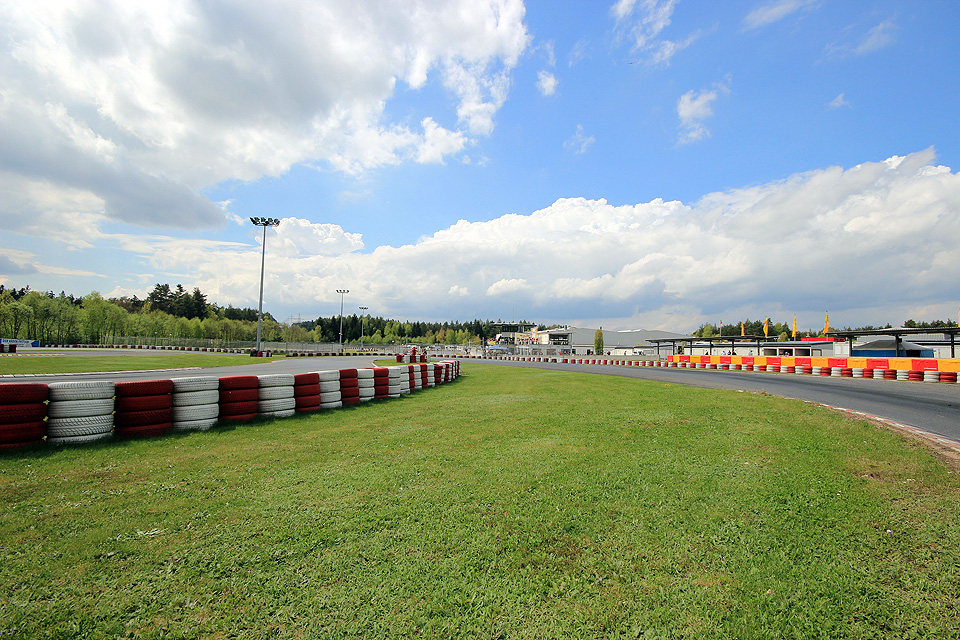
x: 580, y: 341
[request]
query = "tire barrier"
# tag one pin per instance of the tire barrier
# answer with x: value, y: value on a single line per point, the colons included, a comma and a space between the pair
x: 196, y: 403
x: 23, y: 409
x: 275, y: 395
x: 80, y: 412
x: 144, y: 408
x: 239, y: 398
x: 330, y: 389
x: 306, y: 392
x: 349, y: 387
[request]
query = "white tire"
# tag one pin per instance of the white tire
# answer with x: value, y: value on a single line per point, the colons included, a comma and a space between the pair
x: 393, y: 388
x: 329, y: 376
x: 366, y: 392
x: 366, y: 383
x: 286, y: 413
x: 80, y: 390
x: 195, y: 425
x: 363, y: 374
x: 280, y: 404
x: 329, y: 385
x: 329, y: 396
x: 331, y: 405
x: 78, y: 408
x: 196, y: 412
x: 275, y: 393
x: 93, y: 437
x: 198, y: 383
x: 194, y: 398
x: 69, y: 427
x: 277, y: 380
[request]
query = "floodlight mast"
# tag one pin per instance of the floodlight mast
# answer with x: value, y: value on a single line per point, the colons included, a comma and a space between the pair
x: 262, y: 222
x: 363, y: 309
x: 341, y: 292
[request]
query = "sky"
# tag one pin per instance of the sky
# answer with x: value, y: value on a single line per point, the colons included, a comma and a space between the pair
x: 639, y: 164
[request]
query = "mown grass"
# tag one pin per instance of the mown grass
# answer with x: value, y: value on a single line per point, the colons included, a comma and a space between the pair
x: 57, y: 363
x: 513, y: 503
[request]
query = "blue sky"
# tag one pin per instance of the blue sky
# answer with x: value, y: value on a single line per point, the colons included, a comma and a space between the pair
x: 638, y: 164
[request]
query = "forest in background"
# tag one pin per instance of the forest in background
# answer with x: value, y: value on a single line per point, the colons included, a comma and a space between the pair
x: 173, y: 313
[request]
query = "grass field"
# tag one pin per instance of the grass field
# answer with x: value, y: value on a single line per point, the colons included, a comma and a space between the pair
x: 57, y: 363
x: 513, y: 503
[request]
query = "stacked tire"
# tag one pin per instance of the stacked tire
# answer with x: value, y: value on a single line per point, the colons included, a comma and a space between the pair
x: 22, y: 412
x: 196, y: 403
x: 80, y: 411
x: 366, y: 385
x: 275, y: 394
x: 306, y: 392
x: 330, y: 389
x: 349, y: 387
x: 402, y: 375
x: 144, y: 408
x: 239, y: 398
x: 416, y: 382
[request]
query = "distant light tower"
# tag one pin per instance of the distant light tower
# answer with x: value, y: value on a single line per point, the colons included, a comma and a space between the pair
x: 341, y: 292
x: 262, y: 222
x: 363, y: 310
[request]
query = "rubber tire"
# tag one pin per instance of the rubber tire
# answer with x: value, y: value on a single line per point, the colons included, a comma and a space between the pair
x: 231, y: 409
x: 307, y: 402
x: 23, y: 393
x: 141, y: 403
x: 196, y: 412
x: 80, y: 438
x: 277, y: 380
x: 81, y: 390
x: 329, y: 386
x: 197, y: 383
x: 302, y: 390
x: 239, y: 382
x: 195, y: 398
x: 137, y: 419
x: 329, y: 375
x: 21, y: 413
x: 68, y: 427
x: 306, y: 378
x: 279, y: 404
x: 331, y: 405
x: 286, y: 413
x: 239, y: 395
x: 144, y: 387
x: 23, y: 431
x: 330, y: 396
x: 80, y: 408
x: 13, y: 446
x: 195, y: 425
x: 144, y: 430
x: 275, y: 393
x: 243, y: 417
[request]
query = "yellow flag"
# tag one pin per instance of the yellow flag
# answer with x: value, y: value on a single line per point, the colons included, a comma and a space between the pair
x: 766, y: 328
x: 741, y: 328
x: 826, y: 323
x: 794, y: 327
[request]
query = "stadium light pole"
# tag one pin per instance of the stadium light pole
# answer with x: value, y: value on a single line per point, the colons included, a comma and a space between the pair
x: 262, y: 222
x: 341, y: 292
x: 363, y: 312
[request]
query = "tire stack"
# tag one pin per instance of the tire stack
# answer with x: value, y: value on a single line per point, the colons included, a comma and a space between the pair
x: 22, y: 414
x: 349, y: 387
x: 425, y: 376
x: 306, y: 392
x: 435, y: 374
x: 366, y: 384
x: 401, y: 375
x: 196, y: 403
x: 381, y: 383
x: 80, y: 411
x: 239, y: 398
x: 413, y: 370
x: 276, y: 395
x: 330, y: 389
x: 144, y: 408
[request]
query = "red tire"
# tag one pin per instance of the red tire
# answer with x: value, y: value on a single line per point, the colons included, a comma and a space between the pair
x: 305, y: 402
x: 306, y: 378
x: 354, y: 400
x: 347, y: 373
x: 239, y: 395
x: 143, y: 403
x: 22, y: 432
x: 232, y: 409
x: 13, y: 446
x: 23, y: 393
x: 239, y: 382
x: 243, y: 417
x: 141, y: 418
x: 301, y: 390
x: 20, y: 413
x: 144, y: 430
x: 143, y: 388
x: 349, y: 383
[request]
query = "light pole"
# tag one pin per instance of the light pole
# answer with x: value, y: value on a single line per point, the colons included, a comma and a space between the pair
x: 341, y: 292
x: 262, y: 222
x: 363, y: 311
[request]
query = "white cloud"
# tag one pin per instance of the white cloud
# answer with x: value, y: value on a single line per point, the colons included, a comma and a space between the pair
x: 547, y: 83
x: 580, y: 142
x: 839, y: 101
x: 142, y: 104
x: 642, y: 21
x: 693, y: 108
x: 771, y: 12
x: 880, y: 36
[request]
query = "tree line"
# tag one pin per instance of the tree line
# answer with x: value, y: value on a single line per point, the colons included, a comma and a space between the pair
x: 173, y: 313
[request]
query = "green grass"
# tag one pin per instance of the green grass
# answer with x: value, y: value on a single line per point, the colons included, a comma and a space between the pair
x: 57, y: 363
x: 513, y: 503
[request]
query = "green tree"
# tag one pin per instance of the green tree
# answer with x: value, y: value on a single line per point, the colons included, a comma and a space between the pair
x: 598, y: 341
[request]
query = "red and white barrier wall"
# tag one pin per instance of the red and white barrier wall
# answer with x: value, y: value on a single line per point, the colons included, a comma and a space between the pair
x: 74, y: 412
